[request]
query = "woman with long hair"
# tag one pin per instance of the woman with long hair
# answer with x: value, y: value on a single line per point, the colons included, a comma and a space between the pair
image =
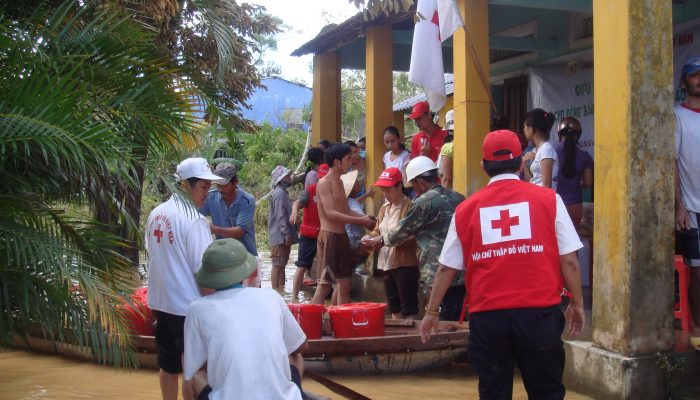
x: 576, y: 168
x: 399, y: 263
x: 544, y: 168
x: 396, y: 156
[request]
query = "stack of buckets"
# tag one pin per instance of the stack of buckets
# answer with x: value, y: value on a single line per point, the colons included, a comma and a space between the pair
x: 347, y: 321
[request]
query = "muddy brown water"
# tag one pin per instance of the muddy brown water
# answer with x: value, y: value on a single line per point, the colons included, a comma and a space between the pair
x: 26, y: 375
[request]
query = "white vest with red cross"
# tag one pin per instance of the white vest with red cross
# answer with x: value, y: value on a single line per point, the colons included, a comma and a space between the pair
x: 507, y: 232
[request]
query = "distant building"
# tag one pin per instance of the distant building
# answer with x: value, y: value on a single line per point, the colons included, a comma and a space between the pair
x: 280, y: 104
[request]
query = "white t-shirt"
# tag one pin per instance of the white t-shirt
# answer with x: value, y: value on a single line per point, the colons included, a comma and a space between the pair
x: 245, y: 336
x: 543, y: 152
x: 567, y: 238
x: 400, y: 162
x: 687, y: 134
x: 176, y: 237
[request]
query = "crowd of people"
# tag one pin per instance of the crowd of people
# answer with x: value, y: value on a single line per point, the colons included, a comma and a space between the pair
x: 509, y: 251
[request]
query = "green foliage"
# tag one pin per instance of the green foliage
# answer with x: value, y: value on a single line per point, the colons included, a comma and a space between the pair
x: 85, y: 98
x: 263, y: 151
x: 372, y: 8
x: 352, y: 100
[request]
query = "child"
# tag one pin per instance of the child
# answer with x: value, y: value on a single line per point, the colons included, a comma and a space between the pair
x: 396, y: 156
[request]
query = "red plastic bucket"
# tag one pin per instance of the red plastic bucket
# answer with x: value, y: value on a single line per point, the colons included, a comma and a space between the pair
x: 357, y: 320
x: 140, y: 318
x: 309, y: 317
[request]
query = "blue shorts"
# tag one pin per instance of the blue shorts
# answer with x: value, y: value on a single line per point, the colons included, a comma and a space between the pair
x: 307, y: 252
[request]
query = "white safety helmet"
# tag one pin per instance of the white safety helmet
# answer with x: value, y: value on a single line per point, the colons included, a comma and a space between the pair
x: 418, y: 166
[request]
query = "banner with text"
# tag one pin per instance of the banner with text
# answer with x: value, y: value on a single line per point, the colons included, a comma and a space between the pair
x: 564, y: 92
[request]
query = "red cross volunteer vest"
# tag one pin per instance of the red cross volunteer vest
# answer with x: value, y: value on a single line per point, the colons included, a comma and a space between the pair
x: 508, y: 237
x: 310, y: 223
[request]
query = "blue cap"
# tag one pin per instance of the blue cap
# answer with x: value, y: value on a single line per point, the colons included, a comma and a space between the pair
x: 691, y: 66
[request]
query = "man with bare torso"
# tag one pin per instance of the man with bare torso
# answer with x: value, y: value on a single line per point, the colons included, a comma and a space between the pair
x: 333, y: 248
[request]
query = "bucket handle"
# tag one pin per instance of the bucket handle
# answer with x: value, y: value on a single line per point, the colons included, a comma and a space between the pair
x: 362, y: 323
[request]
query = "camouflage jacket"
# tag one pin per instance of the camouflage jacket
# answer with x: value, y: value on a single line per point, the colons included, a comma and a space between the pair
x: 428, y: 220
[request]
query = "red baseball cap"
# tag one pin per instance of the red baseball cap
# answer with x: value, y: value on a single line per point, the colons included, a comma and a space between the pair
x: 389, y: 177
x: 322, y: 170
x: 501, y: 140
x: 419, y: 109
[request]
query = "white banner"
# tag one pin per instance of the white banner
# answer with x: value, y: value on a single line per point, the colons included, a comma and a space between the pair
x: 568, y: 91
x: 565, y: 92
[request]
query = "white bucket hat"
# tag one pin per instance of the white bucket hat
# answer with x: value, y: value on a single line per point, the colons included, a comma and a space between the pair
x: 278, y: 174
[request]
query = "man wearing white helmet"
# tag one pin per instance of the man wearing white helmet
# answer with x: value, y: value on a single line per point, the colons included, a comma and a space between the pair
x: 428, y: 220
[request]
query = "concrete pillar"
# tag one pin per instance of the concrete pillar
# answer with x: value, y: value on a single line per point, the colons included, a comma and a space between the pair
x: 379, y: 97
x: 325, y: 103
x: 471, y: 101
x: 399, y: 119
x: 633, y: 276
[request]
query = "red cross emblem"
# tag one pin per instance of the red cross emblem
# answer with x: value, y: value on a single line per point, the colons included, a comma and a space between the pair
x: 158, y: 233
x: 505, y: 222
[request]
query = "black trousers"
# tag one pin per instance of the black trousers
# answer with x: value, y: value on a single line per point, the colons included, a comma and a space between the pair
x: 530, y: 337
x: 401, y: 287
x: 452, y: 302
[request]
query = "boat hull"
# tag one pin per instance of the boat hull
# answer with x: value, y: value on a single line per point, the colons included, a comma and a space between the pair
x: 400, y: 351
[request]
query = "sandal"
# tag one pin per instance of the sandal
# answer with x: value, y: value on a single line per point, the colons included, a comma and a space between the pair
x: 695, y: 342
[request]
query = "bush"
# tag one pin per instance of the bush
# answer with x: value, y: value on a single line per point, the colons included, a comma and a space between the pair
x: 261, y: 152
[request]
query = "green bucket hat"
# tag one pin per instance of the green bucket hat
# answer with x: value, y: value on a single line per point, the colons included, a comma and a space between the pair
x: 224, y: 263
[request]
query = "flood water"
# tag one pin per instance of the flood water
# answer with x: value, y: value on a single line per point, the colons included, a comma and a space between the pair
x: 25, y: 375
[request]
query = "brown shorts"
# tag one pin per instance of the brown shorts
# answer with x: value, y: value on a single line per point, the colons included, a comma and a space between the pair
x: 334, y: 256
x: 279, y: 255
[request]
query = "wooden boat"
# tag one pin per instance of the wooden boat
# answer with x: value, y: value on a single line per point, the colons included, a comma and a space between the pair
x: 400, y: 351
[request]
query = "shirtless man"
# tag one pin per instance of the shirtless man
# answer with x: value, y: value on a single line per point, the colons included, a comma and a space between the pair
x: 333, y: 248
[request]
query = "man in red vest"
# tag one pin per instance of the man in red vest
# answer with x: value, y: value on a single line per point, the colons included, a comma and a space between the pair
x: 518, y: 246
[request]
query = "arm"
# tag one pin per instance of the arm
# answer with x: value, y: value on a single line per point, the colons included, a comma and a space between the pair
x: 447, y: 172
x: 325, y: 197
x: 295, y: 213
x: 546, y: 166
x: 525, y: 168
x: 682, y: 216
x: 367, y: 194
x: 415, y: 146
x: 587, y: 178
x: 572, y: 280
x: 443, y: 279
x: 408, y: 226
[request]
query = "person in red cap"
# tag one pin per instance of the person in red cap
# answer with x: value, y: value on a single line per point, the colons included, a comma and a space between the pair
x: 431, y: 137
x: 517, y: 244
x: 399, y: 263
x: 308, y: 230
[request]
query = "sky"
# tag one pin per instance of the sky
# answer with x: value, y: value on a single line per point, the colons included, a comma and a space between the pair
x: 304, y: 20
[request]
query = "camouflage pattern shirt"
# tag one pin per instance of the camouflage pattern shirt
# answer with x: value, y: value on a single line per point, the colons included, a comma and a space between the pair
x: 428, y: 220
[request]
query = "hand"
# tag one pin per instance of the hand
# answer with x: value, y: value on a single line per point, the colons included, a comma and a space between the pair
x: 682, y: 218
x: 288, y: 242
x: 293, y: 219
x: 368, y: 221
x: 377, y: 243
x: 576, y: 318
x: 370, y: 192
x: 424, y: 147
x: 428, y: 325
x: 528, y: 156
x: 213, y: 228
